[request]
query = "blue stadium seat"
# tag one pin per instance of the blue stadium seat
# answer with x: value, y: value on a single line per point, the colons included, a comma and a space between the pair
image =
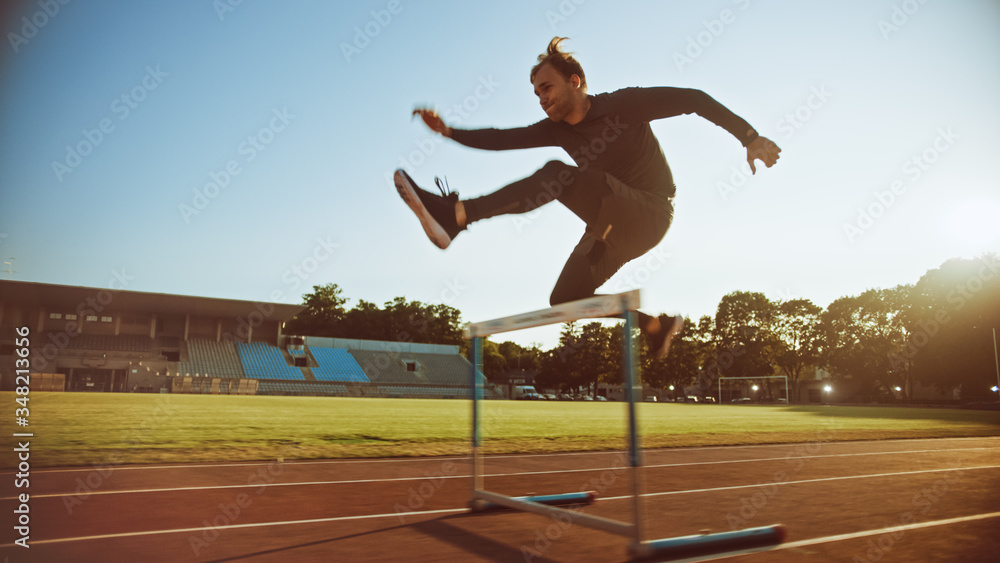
x: 262, y: 361
x: 335, y: 364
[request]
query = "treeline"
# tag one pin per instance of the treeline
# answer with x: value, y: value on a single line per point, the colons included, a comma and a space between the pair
x: 398, y: 320
x: 938, y: 331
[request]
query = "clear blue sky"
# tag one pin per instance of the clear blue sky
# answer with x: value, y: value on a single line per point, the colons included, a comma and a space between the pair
x: 852, y: 91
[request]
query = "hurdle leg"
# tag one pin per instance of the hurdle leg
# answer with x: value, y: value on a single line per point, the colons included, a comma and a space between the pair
x: 629, y: 358
x: 476, y: 388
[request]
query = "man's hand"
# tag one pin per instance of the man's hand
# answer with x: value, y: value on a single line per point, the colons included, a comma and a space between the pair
x: 762, y: 149
x: 433, y: 120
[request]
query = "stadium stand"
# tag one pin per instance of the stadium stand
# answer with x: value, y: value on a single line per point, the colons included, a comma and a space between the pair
x: 160, y: 343
x: 106, y: 342
x: 336, y: 365
x: 47, y: 382
x: 413, y: 368
x: 263, y: 361
x: 208, y: 358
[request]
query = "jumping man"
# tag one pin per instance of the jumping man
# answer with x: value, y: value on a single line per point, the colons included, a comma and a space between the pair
x: 621, y: 186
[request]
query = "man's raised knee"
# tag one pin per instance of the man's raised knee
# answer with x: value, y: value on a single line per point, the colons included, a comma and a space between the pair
x: 560, y: 296
x: 556, y: 166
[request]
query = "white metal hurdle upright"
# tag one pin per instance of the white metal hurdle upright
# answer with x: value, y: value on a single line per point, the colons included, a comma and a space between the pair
x: 620, y: 305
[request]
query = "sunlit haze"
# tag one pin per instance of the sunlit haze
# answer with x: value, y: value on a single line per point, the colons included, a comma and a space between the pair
x: 246, y: 151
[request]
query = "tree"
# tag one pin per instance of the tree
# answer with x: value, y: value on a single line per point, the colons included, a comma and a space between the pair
x: 595, y: 360
x: 324, y: 311
x: 494, y: 363
x: 796, y: 331
x: 954, y: 310
x: 365, y: 321
x: 583, y: 358
x: 559, y: 365
x: 687, y: 353
x: 744, y: 324
x: 398, y: 320
x: 858, y: 336
x: 520, y: 358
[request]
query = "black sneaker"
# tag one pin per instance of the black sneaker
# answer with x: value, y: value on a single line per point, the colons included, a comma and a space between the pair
x: 659, y: 341
x: 436, y: 212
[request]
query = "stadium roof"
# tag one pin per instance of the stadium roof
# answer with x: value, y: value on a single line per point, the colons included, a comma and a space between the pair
x: 69, y: 298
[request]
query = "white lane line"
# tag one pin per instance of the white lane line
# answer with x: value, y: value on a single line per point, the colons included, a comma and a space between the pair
x: 891, y: 529
x: 819, y: 480
x: 498, y: 457
x: 518, y: 474
x: 844, y: 537
x: 238, y: 526
x: 402, y: 514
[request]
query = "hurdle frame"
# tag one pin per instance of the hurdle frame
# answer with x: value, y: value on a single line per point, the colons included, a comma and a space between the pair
x: 622, y: 305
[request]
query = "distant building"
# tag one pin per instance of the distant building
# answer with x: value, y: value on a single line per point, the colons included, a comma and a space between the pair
x: 105, y: 340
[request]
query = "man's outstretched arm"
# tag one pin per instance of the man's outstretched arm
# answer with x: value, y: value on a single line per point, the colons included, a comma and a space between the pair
x: 648, y: 104
x: 487, y: 139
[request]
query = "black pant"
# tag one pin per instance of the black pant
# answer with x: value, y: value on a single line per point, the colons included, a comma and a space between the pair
x: 623, y: 223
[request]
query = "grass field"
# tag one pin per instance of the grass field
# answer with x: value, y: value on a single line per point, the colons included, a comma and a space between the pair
x: 114, y: 428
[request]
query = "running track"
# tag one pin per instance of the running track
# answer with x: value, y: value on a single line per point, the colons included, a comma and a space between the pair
x: 906, y: 500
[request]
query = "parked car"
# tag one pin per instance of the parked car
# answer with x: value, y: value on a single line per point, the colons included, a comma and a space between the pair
x: 600, y: 398
x: 525, y: 393
x: 708, y: 399
x: 565, y: 397
x: 742, y: 401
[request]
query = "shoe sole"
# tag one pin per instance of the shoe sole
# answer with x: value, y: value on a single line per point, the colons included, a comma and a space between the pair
x: 677, y: 326
x: 407, y: 190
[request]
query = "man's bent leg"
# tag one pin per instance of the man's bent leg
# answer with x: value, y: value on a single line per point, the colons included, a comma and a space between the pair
x: 580, y: 192
x: 626, y: 226
x: 577, y: 280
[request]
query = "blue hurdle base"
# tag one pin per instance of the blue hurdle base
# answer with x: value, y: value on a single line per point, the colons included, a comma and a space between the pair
x: 566, y: 499
x: 705, y: 544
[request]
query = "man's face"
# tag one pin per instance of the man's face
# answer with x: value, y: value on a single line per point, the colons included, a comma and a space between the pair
x: 555, y: 93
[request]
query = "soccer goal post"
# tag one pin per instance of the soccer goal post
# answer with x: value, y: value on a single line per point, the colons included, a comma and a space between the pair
x: 754, y: 388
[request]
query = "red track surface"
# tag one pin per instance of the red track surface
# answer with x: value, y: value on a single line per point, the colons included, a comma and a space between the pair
x: 839, y: 501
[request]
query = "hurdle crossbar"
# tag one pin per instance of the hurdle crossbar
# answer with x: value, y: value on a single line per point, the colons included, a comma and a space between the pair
x: 589, y: 520
x: 620, y: 305
x: 590, y: 308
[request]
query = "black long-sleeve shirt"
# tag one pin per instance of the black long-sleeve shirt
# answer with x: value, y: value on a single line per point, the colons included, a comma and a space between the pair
x: 615, y: 135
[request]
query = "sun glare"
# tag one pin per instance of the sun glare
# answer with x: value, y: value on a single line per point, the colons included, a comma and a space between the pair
x: 974, y: 225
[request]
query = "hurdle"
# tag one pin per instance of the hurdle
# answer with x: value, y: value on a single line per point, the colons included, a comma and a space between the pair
x: 623, y: 305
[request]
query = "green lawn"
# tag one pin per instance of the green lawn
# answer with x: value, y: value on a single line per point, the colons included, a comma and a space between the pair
x: 85, y: 429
